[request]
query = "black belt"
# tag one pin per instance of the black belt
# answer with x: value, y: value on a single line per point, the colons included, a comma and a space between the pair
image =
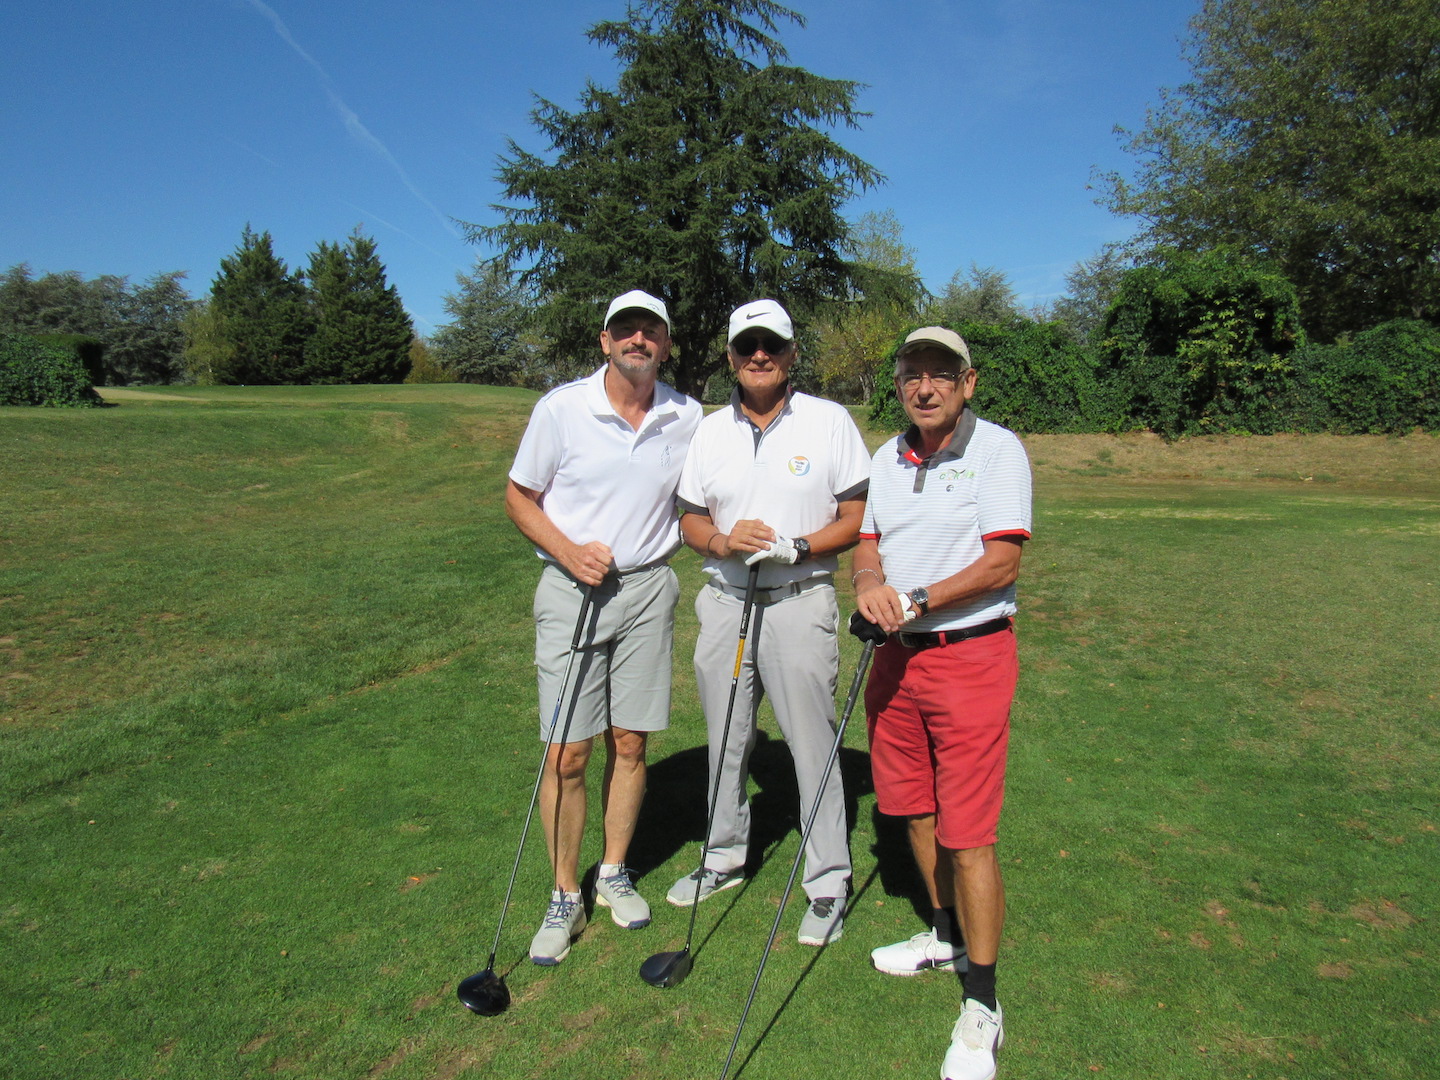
x: 949, y: 637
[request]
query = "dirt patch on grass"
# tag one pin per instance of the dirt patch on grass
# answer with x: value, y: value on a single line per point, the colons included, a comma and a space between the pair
x: 1412, y: 461
x: 1382, y: 914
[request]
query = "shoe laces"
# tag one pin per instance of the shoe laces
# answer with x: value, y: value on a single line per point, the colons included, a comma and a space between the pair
x: 620, y: 884
x: 977, y: 1028
x: 558, y: 915
x: 822, y: 906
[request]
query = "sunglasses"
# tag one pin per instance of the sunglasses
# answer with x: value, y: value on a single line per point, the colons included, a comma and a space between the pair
x: 773, y: 344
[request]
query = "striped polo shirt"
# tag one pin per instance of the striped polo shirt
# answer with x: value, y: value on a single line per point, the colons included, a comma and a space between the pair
x: 932, y: 516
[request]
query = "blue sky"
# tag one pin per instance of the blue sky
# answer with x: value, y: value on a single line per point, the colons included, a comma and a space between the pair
x: 141, y: 137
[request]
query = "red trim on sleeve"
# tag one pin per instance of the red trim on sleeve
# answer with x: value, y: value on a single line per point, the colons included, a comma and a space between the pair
x: 1022, y: 533
x: 869, y: 536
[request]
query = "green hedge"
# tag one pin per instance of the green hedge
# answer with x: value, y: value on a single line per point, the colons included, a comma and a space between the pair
x: 34, y: 373
x: 1031, y: 377
x: 1385, y: 382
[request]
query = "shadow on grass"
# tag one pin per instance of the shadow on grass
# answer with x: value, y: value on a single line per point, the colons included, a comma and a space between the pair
x: 677, y: 798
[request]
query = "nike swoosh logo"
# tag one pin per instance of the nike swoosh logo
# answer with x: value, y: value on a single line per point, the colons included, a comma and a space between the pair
x: 754, y: 315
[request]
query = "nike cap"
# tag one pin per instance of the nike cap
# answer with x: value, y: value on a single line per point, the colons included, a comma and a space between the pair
x: 636, y: 300
x: 766, y: 314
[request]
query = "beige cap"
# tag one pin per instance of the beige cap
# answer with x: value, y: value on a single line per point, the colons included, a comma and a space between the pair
x: 638, y: 300
x: 939, y: 337
x: 766, y: 314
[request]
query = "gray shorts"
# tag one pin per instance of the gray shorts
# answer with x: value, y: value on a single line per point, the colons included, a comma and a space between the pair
x: 621, y: 674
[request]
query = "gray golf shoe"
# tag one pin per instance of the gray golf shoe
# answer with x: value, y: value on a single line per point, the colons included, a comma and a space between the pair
x: 823, y: 921
x: 684, y: 892
x: 617, y: 892
x: 564, y: 920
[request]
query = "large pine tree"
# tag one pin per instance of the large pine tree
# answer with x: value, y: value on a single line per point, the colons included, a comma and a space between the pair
x: 362, y: 333
x: 705, y: 177
x: 262, y: 312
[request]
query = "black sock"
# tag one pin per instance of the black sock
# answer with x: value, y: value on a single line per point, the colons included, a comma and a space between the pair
x: 947, y: 925
x: 980, y: 984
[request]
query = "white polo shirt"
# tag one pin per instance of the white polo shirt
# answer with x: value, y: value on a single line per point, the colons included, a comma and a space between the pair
x: 600, y: 479
x: 792, y: 476
x: 933, y: 516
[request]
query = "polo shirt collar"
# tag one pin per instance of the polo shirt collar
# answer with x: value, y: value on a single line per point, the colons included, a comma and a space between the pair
x: 599, y: 401
x: 953, y: 450
x: 740, y: 413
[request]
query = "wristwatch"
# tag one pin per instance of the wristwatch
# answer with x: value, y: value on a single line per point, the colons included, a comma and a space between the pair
x: 921, y: 599
x: 802, y: 549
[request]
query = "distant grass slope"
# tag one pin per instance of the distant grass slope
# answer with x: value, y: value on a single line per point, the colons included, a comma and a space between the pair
x: 267, y: 721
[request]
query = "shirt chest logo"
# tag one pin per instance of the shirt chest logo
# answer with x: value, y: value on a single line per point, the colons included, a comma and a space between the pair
x: 798, y: 465
x: 951, y: 477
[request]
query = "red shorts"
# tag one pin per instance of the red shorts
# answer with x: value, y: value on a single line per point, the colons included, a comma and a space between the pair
x: 939, y: 723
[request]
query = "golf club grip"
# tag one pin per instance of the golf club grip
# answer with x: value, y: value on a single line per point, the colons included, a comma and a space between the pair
x: 745, y: 617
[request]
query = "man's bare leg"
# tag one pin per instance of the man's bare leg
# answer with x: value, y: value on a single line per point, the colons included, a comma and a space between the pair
x: 623, y: 791
x: 562, y: 805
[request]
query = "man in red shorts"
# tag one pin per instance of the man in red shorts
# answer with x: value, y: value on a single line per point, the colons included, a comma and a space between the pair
x: 948, y: 513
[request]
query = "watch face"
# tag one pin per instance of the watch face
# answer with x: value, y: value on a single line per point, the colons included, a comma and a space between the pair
x: 920, y: 597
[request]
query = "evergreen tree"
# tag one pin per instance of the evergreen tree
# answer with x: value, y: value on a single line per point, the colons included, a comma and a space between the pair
x: 263, y: 313
x: 139, y: 328
x: 706, y: 177
x: 491, y: 313
x: 983, y: 294
x: 362, y: 333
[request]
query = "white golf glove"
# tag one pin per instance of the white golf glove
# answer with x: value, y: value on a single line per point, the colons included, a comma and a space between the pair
x: 907, y: 606
x: 780, y: 549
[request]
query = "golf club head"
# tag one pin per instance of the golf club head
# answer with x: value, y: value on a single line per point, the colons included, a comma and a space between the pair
x: 667, y: 969
x: 484, y: 993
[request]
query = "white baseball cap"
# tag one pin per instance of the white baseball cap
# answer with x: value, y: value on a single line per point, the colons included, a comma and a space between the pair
x: 940, y: 338
x: 766, y: 314
x: 638, y: 300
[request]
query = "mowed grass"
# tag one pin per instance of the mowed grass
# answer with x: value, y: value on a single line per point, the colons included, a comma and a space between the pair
x: 268, y: 732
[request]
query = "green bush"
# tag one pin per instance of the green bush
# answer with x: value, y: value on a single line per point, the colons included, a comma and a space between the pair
x: 1385, y: 382
x: 1032, y: 377
x: 34, y: 373
x: 1200, y: 343
x: 88, y: 350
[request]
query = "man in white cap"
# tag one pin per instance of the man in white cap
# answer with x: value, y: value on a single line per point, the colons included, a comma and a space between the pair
x: 776, y: 479
x: 593, y: 488
x: 939, y: 554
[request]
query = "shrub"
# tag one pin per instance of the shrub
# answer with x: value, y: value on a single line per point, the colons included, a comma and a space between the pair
x: 1387, y: 381
x: 34, y: 373
x: 1199, y: 343
x: 1032, y: 377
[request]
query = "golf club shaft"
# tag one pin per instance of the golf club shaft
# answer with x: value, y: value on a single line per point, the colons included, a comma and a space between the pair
x: 586, y: 595
x: 865, y: 654
x: 745, y: 611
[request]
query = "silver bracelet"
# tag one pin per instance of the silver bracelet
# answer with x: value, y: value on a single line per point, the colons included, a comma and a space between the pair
x: 866, y: 570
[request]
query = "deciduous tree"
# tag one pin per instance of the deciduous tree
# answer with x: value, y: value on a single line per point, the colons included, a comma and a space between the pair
x: 1310, y: 134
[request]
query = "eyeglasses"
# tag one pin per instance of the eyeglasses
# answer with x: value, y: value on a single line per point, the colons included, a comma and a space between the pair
x: 748, y: 346
x: 940, y: 380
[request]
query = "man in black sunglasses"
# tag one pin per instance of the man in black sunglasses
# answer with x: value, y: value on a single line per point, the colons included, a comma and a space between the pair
x: 776, y: 481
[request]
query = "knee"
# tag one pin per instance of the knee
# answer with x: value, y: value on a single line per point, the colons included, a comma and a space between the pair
x: 629, y: 748
x: 570, y: 760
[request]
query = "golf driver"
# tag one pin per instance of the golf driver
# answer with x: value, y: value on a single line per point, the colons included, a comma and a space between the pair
x: 871, y: 635
x: 668, y: 969
x: 485, y: 992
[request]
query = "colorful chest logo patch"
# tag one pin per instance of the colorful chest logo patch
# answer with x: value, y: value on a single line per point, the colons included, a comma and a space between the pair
x: 799, y: 466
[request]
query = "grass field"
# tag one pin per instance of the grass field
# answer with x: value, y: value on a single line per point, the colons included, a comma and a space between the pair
x: 267, y: 720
